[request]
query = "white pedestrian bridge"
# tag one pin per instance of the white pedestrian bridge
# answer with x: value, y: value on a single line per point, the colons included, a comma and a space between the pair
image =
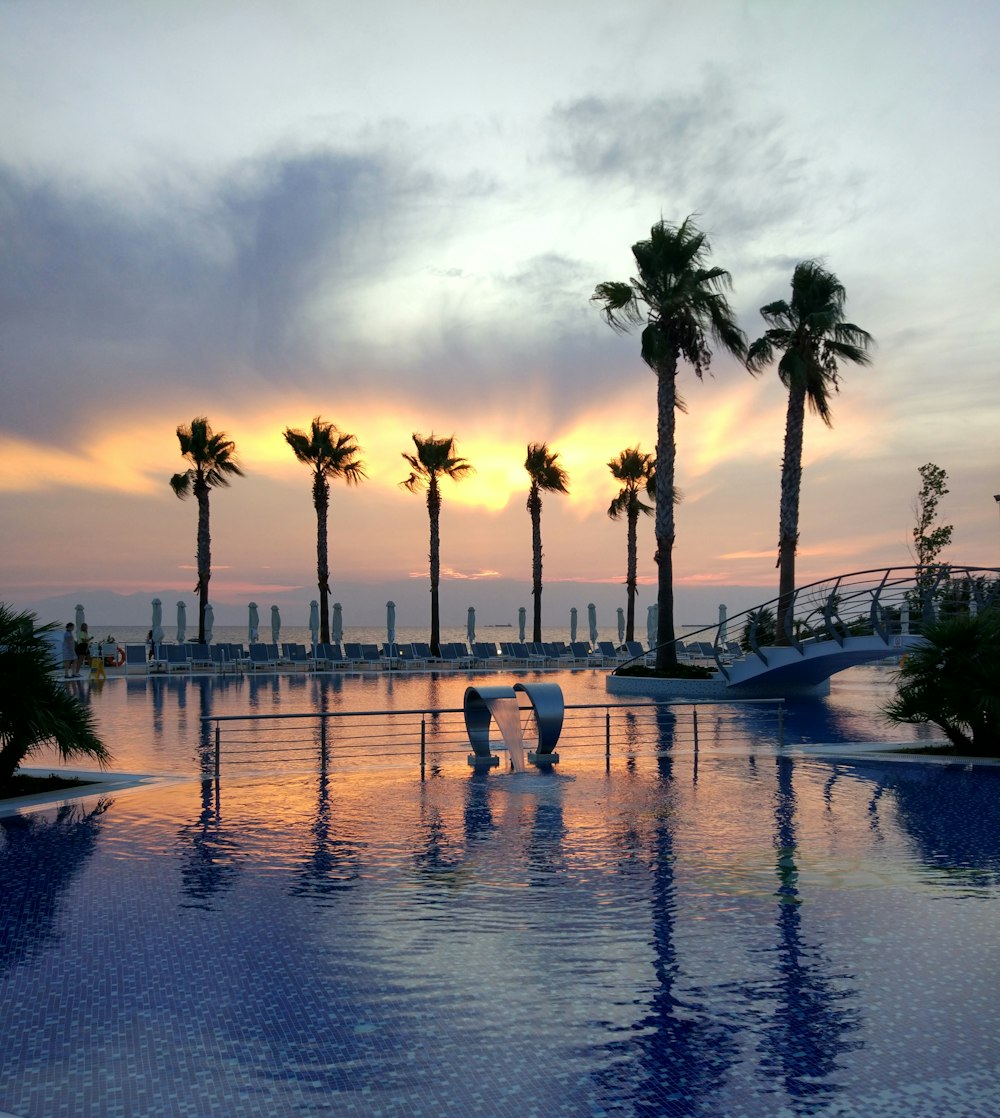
x: 838, y: 623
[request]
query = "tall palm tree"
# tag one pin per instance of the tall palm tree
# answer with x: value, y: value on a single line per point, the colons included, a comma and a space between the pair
x: 680, y: 300
x: 435, y: 458
x: 546, y: 475
x: 329, y: 453
x: 637, y: 472
x: 213, y: 461
x: 812, y: 336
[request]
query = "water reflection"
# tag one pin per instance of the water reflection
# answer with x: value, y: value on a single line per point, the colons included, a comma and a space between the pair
x: 951, y: 813
x: 40, y: 857
x: 333, y: 862
x: 815, y: 1011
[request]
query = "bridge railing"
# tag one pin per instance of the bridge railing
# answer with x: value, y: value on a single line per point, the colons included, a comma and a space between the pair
x: 882, y: 602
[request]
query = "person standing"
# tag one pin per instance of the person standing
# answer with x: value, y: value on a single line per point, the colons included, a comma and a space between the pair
x: 82, y: 648
x: 68, y: 651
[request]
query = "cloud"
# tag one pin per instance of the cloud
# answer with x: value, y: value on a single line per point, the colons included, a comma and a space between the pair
x: 106, y: 296
x: 690, y: 147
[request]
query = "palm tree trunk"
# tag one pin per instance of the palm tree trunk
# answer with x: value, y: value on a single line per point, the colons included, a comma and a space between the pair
x: 666, y: 455
x: 204, y: 557
x: 630, y: 577
x: 535, y: 508
x: 321, y: 500
x: 788, y: 520
x: 434, y: 512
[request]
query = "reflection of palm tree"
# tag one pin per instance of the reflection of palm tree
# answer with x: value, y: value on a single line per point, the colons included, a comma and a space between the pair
x: 333, y: 865
x: 684, y: 1054
x: 435, y: 458
x: 208, y: 863
x: 329, y: 453
x: 62, y: 846
x: 637, y: 472
x: 478, y: 813
x: 810, y: 1027
x: 812, y: 336
x: 546, y: 476
x: 682, y: 302
x: 213, y: 462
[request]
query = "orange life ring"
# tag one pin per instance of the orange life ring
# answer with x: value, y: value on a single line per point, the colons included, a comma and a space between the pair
x: 120, y: 660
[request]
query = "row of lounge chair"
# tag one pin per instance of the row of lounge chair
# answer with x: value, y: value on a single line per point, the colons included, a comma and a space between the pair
x: 325, y: 657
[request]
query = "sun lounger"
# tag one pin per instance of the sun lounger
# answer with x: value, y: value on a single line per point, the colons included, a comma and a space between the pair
x: 487, y: 655
x: 408, y: 657
x: 610, y: 656
x: 198, y: 656
x: 175, y: 657
x: 136, y: 658
x: 370, y: 656
x: 581, y: 654
x: 263, y: 656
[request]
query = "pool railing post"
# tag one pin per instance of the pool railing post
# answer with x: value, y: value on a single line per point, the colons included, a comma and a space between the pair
x: 607, y: 740
x: 423, y: 746
x: 694, y: 720
x: 781, y: 724
x: 218, y: 750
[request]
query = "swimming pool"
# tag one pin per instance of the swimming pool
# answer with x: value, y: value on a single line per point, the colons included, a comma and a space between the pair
x: 737, y: 934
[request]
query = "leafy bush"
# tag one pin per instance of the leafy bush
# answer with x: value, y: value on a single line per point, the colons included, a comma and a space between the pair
x: 36, y: 710
x: 952, y: 682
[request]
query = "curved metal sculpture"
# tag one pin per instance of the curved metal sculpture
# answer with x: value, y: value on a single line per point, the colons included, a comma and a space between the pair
x: 547, y: 708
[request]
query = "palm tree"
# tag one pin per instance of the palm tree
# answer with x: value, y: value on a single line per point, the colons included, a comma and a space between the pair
x: 637, y: 471
x: 35, y: 709
x: 682, y: 301
x: 546, y: 474
x: 812, y: 336
x: 213, y: 461
x: 435, y: 458
x: 329, y: 453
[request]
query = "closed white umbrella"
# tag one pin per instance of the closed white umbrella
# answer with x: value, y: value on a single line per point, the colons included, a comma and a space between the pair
x: 157, y: 625
x: 337, y: 633
x: 592, y: 622
x: 652, y: 618
x: 723, y: 617
x: 181, y: 622
x: 572, y: 625
x: 80, y: 620
x: 390, y: 623
x: 253, y: 624
x: 275, y: 625
x: 470, y: 627
x: 209, y: 622
x: 621, y: 624
x: 314, y: 622
x: 521, y: 617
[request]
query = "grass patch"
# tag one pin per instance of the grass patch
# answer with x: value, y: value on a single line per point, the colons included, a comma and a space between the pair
x: 22, y: 785
x: 679, y: 671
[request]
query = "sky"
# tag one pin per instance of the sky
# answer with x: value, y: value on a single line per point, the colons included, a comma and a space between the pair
x: 394, y: 216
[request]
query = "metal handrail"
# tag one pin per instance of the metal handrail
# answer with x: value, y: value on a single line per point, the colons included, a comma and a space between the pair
x: 584, y: 736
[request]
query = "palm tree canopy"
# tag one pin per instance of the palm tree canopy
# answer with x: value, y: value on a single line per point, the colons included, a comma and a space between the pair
x: 685, y: 301
x: 637, y: 470
x: 544, y: 471
x: 812, y: 336
x: 328, y: 451
x: 434, y: 458
x: 212, y: 456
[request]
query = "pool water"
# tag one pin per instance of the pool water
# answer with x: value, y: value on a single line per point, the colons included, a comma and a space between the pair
x: 742, y: 933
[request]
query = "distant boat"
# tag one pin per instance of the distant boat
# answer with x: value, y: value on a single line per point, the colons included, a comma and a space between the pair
x: 502, y: 625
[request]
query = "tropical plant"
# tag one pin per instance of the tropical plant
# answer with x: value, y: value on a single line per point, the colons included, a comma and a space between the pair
x: 812, y: 337
x: 758, y: 629
x: 546, y: 476
x: 681, y: 301
x: 637, y: 472
x: 212, y: 458
x: 434, y: 459
x: 35, y: 709
x: 929, y: 540
x: 950, y: 681
x: 329, y: 453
